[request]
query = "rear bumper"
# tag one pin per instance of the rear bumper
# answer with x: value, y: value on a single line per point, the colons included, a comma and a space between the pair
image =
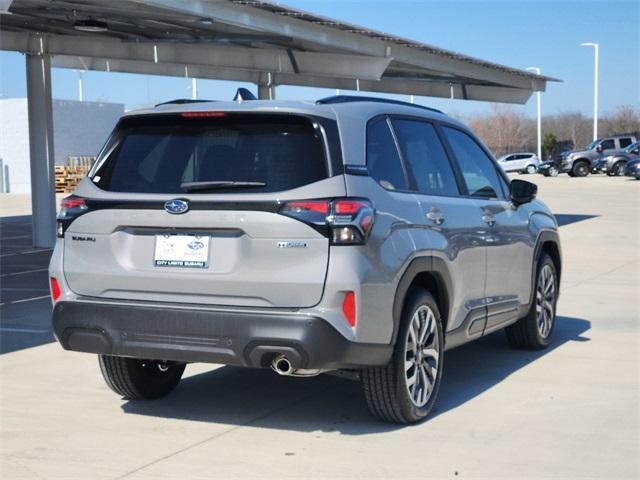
x: 211, y: 336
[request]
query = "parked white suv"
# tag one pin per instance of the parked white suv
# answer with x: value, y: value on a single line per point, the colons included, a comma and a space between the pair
x: 519, y: 162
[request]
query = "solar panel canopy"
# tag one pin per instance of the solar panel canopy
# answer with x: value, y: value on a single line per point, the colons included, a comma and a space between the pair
x: 250, y: 41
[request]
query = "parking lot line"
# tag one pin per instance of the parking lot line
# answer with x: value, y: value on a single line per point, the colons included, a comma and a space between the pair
x: 25, y: 271
x: 28, y: 252
x: 23, y: 330
x: 23, y: 300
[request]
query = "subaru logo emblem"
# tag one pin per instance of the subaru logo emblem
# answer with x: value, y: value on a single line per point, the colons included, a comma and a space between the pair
x: 176, y: 206
x: 195, y: 245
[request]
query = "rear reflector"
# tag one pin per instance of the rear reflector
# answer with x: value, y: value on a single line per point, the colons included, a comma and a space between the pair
x: 349, y: 308
x: 203, y: 114
x: 55, y: 289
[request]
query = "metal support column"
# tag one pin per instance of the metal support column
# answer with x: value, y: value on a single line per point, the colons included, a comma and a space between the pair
x: 43, y: 199
x: 266, y: 92
x: 266, y: 89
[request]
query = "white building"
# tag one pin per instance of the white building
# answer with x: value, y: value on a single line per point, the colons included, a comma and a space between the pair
x: 79, y: 129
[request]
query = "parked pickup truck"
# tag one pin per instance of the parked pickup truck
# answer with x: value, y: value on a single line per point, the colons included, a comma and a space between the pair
x: 579, y: 163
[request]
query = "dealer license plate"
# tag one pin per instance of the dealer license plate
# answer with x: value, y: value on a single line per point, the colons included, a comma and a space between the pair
x: 190, y: 251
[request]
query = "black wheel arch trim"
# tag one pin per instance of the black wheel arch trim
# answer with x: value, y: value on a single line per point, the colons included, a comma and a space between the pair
x: 544, y: 237
x: 427, y: 264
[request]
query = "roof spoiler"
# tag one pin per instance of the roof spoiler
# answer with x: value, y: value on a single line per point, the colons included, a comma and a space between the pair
x: 180, y: 101
x: 358, y: 98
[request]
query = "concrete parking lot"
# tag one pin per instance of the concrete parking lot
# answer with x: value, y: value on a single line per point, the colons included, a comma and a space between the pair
x: 572, y: 411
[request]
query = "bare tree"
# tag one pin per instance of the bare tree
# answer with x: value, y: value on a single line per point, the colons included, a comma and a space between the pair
x: 573, y: 126
x: 504, y: 130
x: 626, y: 119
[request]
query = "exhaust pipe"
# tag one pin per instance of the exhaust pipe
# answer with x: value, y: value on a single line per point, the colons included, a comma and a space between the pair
x: 281, y: 365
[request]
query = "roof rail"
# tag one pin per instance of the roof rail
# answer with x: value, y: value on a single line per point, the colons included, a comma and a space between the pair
x: 180, y: 101
x: 358, y: 98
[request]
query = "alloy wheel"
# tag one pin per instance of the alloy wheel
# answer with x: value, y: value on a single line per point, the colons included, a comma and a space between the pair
x: 619, y: 169
x: 545, y: 301
x: 582, y: 170
x: 421, y: 356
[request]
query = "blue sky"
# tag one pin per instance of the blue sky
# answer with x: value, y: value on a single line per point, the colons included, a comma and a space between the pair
x: 541, y: 33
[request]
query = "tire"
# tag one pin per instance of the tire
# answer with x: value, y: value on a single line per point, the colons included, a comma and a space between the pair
x: 552, y: 171
x: 533, y: 332
x: 617, y: 170
x: 580, y: 169
x: 388, y: 389
x: 136, y: 379
x: 531, y: 169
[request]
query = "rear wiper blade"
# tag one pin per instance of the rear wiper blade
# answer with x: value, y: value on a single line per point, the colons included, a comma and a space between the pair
x: 218, y: 185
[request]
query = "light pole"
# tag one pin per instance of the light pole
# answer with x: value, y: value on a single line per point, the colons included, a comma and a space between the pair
x: 194, y: 88
x: 80, y: 86
x: 595, y: 87
x: 537, y: 70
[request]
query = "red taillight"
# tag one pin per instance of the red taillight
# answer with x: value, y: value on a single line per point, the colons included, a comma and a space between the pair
x: 72, y: 202
x: 347, y: 221
x: 203, y: 114
x: 349, y: 207
x: 318, y: 206
x: 55, y: 289
x: 71, y: 207
x: 349, y: 308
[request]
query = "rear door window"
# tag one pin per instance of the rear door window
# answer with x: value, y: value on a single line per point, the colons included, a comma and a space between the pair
x: 227, y: 153
x: 625, y: 142
x: 425, y: 158
x: 383, y: 160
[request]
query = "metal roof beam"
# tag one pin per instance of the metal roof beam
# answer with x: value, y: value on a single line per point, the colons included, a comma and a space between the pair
x: 219, y: 56
x: 264, y: 21
x: 404, y: 87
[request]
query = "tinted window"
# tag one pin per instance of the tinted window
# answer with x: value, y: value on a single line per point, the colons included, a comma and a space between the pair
x: 157, y: 154
x: 625, y: 142
x: 383, y: 160
x: 477, y: 168
x: 608, y: 144
x: 425, y: 158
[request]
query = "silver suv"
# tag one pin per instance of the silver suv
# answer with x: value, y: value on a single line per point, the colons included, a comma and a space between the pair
x: 519, y: 162
x: 351, y: 233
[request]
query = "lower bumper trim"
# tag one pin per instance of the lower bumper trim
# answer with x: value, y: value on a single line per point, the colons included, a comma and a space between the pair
x: 226, y: 337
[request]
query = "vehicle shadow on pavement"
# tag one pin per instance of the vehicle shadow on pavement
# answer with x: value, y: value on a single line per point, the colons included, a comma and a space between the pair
x: 569, y: 218
x: 476, y: 367
x: 260, y: 398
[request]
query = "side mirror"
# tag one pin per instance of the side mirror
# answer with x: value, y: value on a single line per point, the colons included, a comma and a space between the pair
x: 522, y: 191
x: 599, y: 149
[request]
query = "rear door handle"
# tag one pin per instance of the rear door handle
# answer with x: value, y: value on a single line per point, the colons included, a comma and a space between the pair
x: 489, y: 219
x: 436, y: 217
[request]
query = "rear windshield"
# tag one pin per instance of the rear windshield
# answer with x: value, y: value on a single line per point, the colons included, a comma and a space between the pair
x: 230, y: 153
